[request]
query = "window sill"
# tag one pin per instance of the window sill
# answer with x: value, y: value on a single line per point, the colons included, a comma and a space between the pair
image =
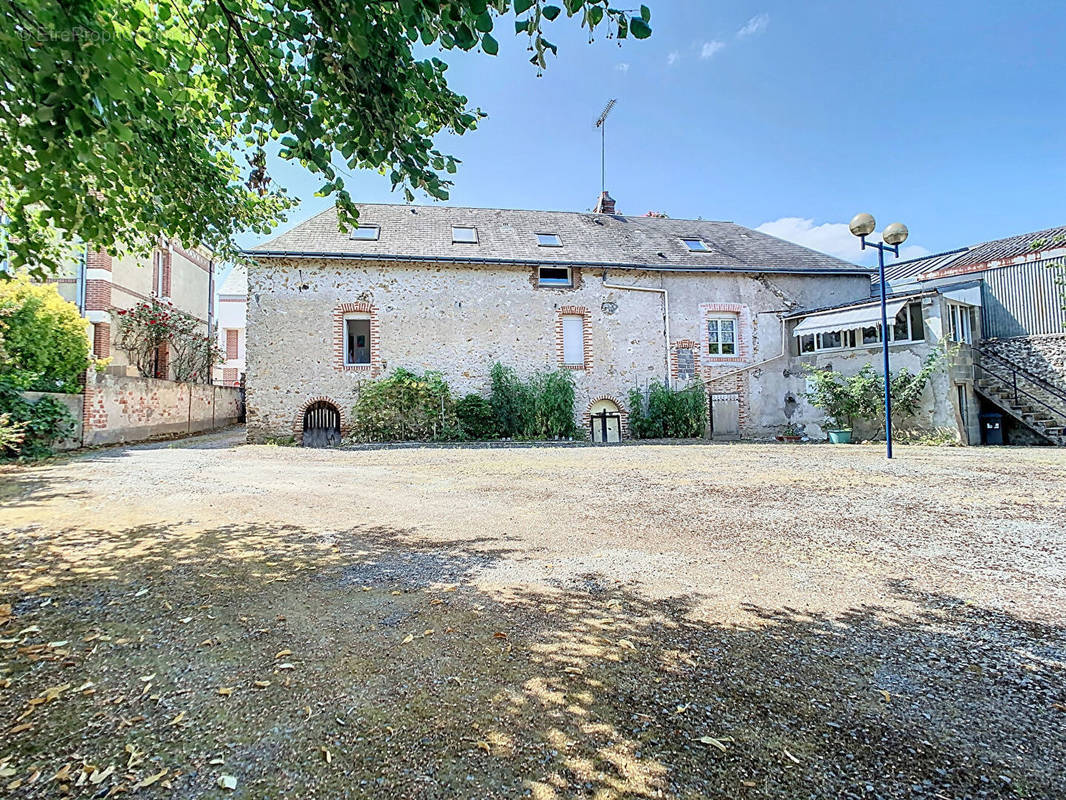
x: 356, y: 367
x: 876, y: 346
x: 574, y: 366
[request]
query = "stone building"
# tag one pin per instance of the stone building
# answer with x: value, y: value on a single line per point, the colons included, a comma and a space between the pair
x: 619, y: 300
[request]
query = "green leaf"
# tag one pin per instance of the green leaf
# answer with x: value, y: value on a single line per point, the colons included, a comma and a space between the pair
x: 483, y: 24
x: 551, y: 12
x: 522, y: 6
x: 639, y: 28
x: 521, y: 26
x: 645, y: 13
x: 489, y: 45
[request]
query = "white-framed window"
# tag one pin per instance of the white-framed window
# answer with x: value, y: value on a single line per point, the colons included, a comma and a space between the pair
x: 462, y: 235
x: 366, y: 233
x: 960, y: 323
x: 722, y: 336
x: 573, y: 340
x: 549, y: 240
x: 356, y: 339
x: 555, y: 276
x: 696, y: 245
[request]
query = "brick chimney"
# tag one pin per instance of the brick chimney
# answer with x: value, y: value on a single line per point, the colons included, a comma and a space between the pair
x: 605, y: 205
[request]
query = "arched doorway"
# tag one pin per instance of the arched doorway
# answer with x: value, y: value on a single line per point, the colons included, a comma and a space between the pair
x: 605, y: 419
x: 322, y: 425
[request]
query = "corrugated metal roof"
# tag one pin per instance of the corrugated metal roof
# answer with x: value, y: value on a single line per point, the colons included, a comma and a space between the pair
x: 900, y: 271
x: 424, y: 232
x: 1023, y: 244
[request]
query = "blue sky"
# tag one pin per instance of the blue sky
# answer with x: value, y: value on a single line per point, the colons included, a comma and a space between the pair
x: 792, y: 117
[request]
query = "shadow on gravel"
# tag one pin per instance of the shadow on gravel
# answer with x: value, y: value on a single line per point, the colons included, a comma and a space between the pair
x: 365, y: 663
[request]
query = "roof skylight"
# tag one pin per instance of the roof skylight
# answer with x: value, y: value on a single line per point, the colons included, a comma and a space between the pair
x: 462, y: 235
x: 366, y: 233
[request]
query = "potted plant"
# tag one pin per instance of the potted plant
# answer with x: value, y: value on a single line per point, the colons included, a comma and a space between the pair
x: 836, y: 396
x: 790, y: 434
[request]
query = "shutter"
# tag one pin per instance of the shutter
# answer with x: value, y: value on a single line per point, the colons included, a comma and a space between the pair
x: 573, y: 340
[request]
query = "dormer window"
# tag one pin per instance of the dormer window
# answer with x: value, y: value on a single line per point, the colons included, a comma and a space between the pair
x: 549, y: 240
x: 696, y: 245
x: 464, y: 235
x: 366, y: 233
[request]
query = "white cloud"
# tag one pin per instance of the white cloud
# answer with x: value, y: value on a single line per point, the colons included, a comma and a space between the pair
x: 755, y: 25
x: 672, y: 58
x: 912, y: 251
x: 833, y: 238
x: 710, y: 48
x: 622, y: 67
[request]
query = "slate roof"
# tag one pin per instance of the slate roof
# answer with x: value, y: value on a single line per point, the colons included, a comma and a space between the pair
x: 236, y: 283
x: 412, y: 233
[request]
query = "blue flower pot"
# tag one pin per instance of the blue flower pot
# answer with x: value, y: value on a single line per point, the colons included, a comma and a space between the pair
x: 839, y: 437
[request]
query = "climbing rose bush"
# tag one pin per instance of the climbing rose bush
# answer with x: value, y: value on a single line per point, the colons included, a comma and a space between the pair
x: 154, y: 324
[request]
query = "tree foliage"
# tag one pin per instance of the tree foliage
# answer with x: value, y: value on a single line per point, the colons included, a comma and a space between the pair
x: 44, y: 339
x: 124, y: 120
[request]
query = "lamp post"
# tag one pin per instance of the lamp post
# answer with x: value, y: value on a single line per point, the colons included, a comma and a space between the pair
x: 862, y: 225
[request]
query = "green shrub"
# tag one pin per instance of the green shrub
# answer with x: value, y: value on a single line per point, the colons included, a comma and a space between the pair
x: 862, y: 395
x: 405, y: 406
x: 511, y: 401
x: 44, y: 337
x: 665, y: 413
x: 540, y: 408
x: 28, y: 430
x: 476, y: 417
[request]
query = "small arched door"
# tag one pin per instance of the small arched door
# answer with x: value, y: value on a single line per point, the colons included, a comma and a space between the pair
x: 322, y: 425
x: 606, y: 421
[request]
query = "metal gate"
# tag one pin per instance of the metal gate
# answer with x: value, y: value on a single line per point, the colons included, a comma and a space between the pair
x: 322, y: 425
x: 606, y: 427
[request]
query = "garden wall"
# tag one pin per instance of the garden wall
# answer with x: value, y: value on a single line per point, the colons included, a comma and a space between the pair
x: 123, y: 409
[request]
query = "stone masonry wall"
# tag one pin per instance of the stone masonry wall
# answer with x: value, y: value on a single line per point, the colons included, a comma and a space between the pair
x: 459, y: 319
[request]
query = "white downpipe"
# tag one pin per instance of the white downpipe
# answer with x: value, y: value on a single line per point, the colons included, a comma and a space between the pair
x: 666, y: 313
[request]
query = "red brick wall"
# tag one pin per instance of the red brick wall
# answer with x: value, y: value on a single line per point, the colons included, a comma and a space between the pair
x: 102, y: 340
x: 232, y: 341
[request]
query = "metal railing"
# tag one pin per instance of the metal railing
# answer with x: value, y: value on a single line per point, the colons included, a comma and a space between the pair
x: 1011, y: 383
x: 1032, y: 377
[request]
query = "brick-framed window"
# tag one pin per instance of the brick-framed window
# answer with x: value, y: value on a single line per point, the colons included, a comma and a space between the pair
x: 725, y: 333
x: 573, y: 337
x: 356, y: 338
x: 230, y: 376
x: 685, y: 360
x: 233, y: 338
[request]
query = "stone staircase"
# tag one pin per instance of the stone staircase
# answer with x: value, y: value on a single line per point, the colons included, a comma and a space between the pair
x: 1033, y: 400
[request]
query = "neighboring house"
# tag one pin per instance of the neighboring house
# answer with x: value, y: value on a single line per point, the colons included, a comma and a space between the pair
x: 232, y: 310
x: 101, y: 285
x: 621, y: 301
x: 999, y: 305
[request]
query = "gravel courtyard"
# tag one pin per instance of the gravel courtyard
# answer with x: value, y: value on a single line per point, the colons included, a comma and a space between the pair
x: 205, y: 618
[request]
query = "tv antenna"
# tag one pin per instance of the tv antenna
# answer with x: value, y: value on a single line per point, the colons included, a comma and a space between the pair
x: 601, y: 123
